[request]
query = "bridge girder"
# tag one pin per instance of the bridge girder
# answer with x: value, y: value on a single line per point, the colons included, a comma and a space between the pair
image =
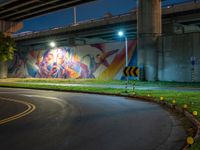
x: 18, y: 10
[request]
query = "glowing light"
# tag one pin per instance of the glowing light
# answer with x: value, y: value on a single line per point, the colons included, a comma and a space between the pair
x: 121, y: 33
x: 52, y: 44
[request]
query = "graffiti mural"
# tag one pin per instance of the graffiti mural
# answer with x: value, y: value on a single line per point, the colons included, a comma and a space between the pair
x: 61, y: 63
x: 104, y: 61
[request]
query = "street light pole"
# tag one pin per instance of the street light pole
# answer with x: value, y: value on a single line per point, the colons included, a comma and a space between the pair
x: 126, y: 47
x: 75, y: 16
x: 121, y: 34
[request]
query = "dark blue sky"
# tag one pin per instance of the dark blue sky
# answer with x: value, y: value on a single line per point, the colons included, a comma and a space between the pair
x: 88, y: 11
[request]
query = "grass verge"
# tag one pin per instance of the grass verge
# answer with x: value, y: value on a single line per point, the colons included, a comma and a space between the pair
x: 192, y: 99
x: 104, y: 82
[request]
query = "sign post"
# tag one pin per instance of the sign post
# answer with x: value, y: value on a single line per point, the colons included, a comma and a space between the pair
x: 193, y: 62
x: 131, y: 71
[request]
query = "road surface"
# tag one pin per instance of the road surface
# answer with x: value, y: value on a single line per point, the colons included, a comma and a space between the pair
x: 49, y: 120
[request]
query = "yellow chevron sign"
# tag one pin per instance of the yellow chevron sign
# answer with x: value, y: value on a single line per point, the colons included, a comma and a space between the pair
x: 131, y: 71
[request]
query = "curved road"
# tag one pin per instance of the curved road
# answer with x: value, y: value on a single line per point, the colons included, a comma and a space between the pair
x: 49, y: 120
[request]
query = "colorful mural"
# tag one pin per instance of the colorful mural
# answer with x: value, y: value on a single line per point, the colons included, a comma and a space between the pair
x: 104, y: 61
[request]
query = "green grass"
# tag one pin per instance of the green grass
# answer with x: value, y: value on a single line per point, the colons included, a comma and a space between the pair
x: 64, y: 88
x: 192, y: 99
x: 104, y: 82
x: 58, y: 80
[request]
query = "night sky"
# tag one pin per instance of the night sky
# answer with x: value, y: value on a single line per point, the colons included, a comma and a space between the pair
x: 88, y: 11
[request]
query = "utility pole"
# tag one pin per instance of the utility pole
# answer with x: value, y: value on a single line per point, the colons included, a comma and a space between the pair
x: 75, y: 16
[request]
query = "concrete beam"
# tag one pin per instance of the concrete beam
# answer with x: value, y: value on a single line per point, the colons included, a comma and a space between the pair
x: 149, y: 29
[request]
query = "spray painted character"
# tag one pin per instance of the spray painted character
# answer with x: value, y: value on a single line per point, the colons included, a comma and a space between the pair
x: 53, y: 64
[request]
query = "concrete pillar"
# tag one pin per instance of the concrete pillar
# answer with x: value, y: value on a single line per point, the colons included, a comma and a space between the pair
x: 8, y: 28
x: 149, y: 29
x: 3, y: 70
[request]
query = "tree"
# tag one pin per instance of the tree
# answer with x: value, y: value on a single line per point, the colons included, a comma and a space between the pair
x: 7, y: 47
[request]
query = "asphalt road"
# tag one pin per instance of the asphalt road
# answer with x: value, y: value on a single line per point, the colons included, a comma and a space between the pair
x: 49, y: 120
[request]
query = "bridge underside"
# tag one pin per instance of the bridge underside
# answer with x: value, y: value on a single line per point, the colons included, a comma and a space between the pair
x: 18, y: 10
x: 176, y: 19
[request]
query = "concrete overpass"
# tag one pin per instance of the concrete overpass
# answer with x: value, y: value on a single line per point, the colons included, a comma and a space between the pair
x: 18, y: 10
x: 12, y: 12
x: 104, y: 29
x: 175, y: 56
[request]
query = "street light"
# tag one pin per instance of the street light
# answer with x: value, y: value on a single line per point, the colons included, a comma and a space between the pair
x: 121, y: 34
x: 52, y: 44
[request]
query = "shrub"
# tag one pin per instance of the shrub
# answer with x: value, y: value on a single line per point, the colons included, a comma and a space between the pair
x: 7, y: 47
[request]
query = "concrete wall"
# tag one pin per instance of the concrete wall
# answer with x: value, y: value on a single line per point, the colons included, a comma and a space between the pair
x: 177, y: 53
x: 100, y: 61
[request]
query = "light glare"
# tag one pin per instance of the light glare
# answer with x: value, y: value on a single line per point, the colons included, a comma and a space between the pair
x: 120, y: 33
x: 52, y: 44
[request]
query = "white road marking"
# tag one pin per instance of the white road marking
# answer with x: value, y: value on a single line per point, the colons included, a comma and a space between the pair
x: 38, y: 96
x: 8, y: 92
x: 53, y: 99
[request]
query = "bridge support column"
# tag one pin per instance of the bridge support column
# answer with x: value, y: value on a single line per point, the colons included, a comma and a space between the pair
x: 3, y: 70
x: 8, y: 28
x: 149, y: 29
